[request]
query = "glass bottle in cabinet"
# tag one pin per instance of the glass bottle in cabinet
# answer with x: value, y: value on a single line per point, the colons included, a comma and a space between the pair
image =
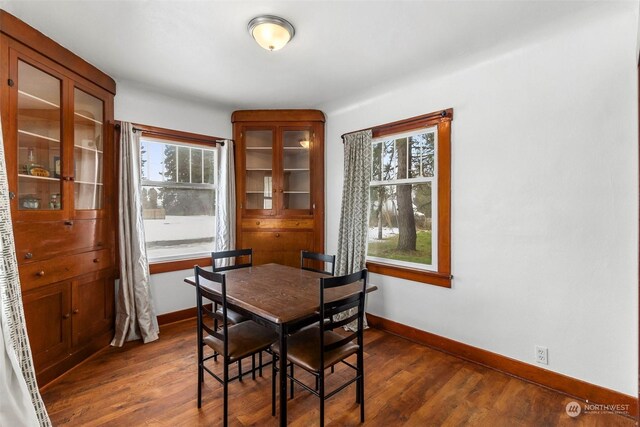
x: 259, y: 169
x: 88, y: 151
x: 39, y: 139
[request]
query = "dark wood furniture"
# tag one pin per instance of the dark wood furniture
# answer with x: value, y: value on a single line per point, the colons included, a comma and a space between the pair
x: 279, y: 183
x: 57, y: 123
x: 317, y: 348
x: 307, y: 258
x: 232, y: 343
x: 282, y: 297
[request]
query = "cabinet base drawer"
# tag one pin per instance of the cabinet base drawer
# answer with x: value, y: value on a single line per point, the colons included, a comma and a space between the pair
x: 40, y: 273
x: 276, y: 223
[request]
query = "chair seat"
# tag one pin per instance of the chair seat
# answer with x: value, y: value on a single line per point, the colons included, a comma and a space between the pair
x: 244, y: 339
x: 232, y: 316
x: 302, y: 349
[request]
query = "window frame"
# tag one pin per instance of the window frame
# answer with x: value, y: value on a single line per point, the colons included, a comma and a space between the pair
x: 433, y: 180
x: 173, y: 136
x: 440, y: 276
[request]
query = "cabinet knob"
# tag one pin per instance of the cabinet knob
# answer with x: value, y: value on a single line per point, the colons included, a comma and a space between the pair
x: 95, y: 260
x: 277, y: 234
x: 28, y: 255
x: 257, y: 222
x: 40, y: 273
x: 66, y: 316
x: 12, y: 195
x: 68, y: 223
x: 281, y: 190
x: 75, y: 311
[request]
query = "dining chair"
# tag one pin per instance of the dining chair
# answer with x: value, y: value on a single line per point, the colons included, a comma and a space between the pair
x: 245, y: 256
x: 317, y: 348
x: 315, y: 256
x: 232, y: 342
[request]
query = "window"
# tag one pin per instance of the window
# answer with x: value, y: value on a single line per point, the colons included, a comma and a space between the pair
x: 178, y: 198
x: 402, y: 211
x: 409, y: 199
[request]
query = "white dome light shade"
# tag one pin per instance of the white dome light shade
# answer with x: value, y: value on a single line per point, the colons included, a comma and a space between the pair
x: 271, y: 32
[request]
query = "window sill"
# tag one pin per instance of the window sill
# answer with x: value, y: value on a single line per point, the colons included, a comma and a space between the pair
x: 429, y: 277
x: 177, y: 265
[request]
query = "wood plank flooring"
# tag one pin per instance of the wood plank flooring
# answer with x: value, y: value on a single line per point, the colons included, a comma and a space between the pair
x: 406, y: 384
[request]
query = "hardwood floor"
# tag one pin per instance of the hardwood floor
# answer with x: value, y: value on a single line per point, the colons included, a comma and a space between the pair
x: 405, y: 384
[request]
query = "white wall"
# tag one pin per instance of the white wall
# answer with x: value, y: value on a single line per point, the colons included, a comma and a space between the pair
x: 134, y: 103
x: 544, y: 200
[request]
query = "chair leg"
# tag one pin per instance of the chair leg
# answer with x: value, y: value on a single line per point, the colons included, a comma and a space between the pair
x: 321, y: 392
x: 291, y: 383
x: 200, y: 380
x: 225, y: 388
x: 361, y: 383
x: 240, y: 370
x: 260, y: 363
x: 253, y: 366
x: 273, y: 385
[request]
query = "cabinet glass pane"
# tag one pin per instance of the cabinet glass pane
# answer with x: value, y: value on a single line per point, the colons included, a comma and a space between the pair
x: 259, y: 173
x: 296, y: 179
x: 88, y: 151
x: 39, y: 153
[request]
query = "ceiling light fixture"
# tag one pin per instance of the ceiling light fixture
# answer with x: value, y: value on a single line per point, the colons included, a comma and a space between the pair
x: 271, y: 32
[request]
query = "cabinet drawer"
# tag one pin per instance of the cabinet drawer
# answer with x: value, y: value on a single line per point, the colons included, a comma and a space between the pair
x: 40, y: 273
x: 94, y: 261
x: 275, y: 223
x: 40, y: 240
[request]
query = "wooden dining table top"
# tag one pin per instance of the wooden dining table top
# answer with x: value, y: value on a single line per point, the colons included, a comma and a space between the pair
x: 277, y: 293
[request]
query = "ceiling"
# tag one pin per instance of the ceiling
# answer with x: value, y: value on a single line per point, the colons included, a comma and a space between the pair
x: 201, y: 50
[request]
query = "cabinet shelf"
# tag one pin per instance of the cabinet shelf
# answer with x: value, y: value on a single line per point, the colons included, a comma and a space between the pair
x: 259, y: 169
x: 296, y: 169
x: 39, y: 178
x: 86, y: 120
x: 37, y: 99
x: 259, y: 148
x: 87, y: 183
x: 296, y: 148
x: 35, y: 135
x: 95, y: 150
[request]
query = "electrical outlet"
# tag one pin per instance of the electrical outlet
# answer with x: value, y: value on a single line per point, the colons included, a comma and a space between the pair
x: 542, y: 355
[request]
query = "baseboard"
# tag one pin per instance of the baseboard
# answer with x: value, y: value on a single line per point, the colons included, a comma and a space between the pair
x: 543, y: 377
x: 179, y: 316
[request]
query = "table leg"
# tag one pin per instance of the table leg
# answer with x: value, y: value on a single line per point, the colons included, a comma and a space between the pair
x: 283, y: 376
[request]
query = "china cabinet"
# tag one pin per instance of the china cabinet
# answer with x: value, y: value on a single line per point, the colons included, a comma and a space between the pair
x: 279, y: 183
x: 57, y: 123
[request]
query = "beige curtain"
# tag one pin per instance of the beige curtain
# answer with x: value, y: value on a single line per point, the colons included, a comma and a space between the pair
x: 225, y: 202
x: 354, y: 214
x: 20, y: 400
x: 135, y: 316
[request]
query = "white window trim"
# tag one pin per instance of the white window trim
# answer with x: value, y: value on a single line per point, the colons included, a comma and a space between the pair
x: 419, y: 180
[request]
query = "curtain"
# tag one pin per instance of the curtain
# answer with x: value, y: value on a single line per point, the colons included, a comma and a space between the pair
x: 135, y: 316
x: 225, y: 202
x: 20, y: 400
x: 354, y: 215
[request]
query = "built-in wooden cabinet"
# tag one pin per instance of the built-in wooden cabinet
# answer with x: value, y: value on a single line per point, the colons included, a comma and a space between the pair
x: 279, y: 183
x: 57, y: 123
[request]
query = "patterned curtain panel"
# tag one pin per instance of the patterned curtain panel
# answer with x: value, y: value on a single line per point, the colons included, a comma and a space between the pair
x: 354, y: 215
x: 136, y: 317
x: 225, y: 202
x: 20, y: 400
x: 352, y: 236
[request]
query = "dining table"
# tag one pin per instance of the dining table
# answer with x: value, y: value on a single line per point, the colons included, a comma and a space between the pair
x: 281, y: 297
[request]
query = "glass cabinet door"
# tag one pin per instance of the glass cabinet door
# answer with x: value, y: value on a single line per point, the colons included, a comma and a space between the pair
x: 296, y: 180
x: 88, y: 151
x: 39, y: 139
x: 259, y: 189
